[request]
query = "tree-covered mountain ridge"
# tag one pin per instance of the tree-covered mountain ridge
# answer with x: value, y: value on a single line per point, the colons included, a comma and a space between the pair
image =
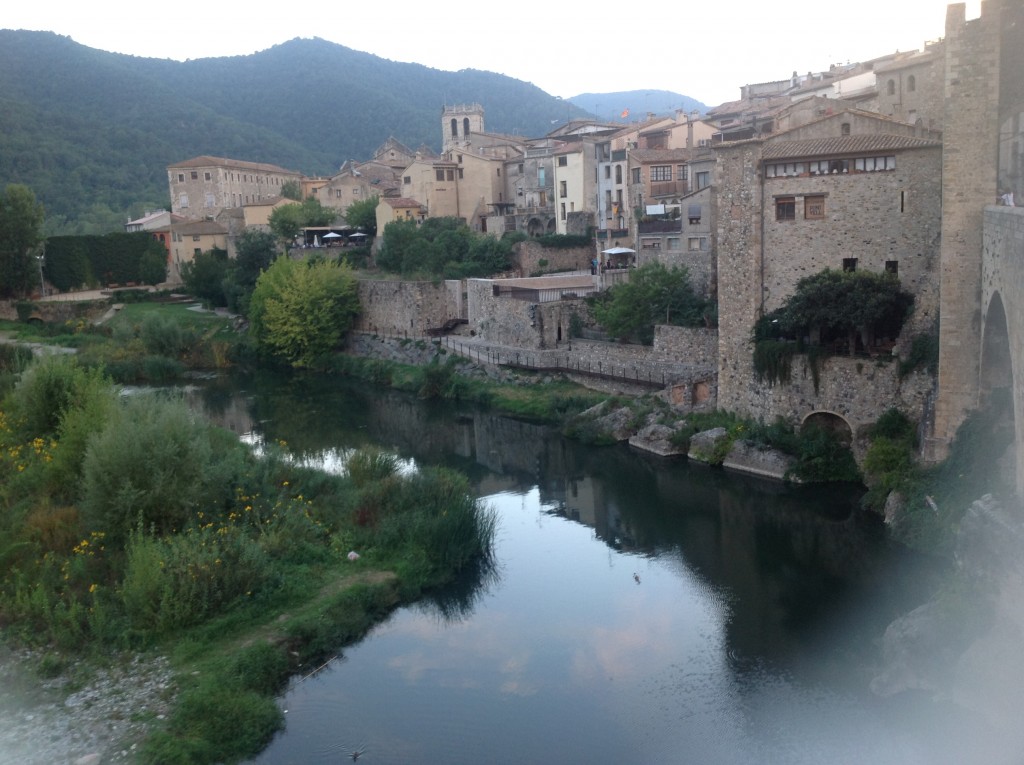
x: 92, y: 132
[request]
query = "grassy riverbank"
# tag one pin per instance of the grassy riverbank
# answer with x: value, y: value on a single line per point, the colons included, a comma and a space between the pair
x: 129, y: 525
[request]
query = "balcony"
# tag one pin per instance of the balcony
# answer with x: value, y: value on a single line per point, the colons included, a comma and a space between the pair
x: 660, y: 226
x: 668, y: 188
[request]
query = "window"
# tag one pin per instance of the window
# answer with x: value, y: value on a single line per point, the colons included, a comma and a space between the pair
x: 197, y: 252
x: 636, y: 175
x: 785, y: 208
x: 563, y: 161
x: 697, y: 243
x: 460, y: 173
x: 563, y: 210
x: 608, y: 171
x: 195, y: 175
x: 892, y: 267
x: 206, y: 176
x: 499, y: 172
x: 210, y: 200
x: 563, y: 189
x: 455, y: 128
x: 845, y: 128
x: 703, y: 179
x: 911, y: 84
x: 407, y: 180
x: 672, y: 243
x: 890, y: 87
x: 460, y: 159
x: 608, y: 200
x: 337, y: 193
x: 541, y: 176
x: 183, y: 200
x: 849, y: 264
x: 783, y: 169
x: 439, y: 174
x: 449, y: 174
x: 181, y: 177
x: 661, y: 173
x: 693, y: 214
x: 520, y: 168
x: 682, y: 172
x: 874, y: 164
x: 465, y: 126
x: 355, y: 191
x: 195, y: 237
x: 618, y: 173
x: 814, y: 208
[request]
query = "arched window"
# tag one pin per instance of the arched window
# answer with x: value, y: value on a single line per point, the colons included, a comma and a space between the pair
x: 891, y: 88
x: 465, y: 126
x: 455, y: 128
x: 911, y: 84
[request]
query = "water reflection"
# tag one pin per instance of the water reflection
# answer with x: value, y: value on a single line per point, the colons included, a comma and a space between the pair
x: 642, y: 611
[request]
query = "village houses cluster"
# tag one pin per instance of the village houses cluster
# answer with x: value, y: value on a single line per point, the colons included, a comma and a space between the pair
x: 882, y: 166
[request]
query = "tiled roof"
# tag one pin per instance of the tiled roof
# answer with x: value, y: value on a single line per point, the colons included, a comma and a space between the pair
x: 207, y: 161
x: 847, y: 144
x: 398, y: 202
x: 200, y: 227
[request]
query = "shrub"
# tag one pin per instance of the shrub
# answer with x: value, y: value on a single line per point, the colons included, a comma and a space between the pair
x: 155, y: 465
x: 823, y: 457
x: 368, y: 466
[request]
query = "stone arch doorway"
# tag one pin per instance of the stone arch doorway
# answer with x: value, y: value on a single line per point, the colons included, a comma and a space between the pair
x: 535, y: 227
x: 996, y: 366
x: 831, y: 422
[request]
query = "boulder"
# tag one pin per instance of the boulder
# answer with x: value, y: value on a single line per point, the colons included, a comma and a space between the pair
x: 705, y: 446
x: 758, y: 460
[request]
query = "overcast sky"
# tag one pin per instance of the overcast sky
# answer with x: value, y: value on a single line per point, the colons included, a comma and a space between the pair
x: 705, y: 50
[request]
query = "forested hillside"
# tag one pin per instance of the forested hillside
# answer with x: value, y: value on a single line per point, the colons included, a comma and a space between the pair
x: 92, y: 132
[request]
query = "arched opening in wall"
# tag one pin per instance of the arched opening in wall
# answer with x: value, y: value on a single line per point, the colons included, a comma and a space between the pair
x: 830, y: 422
x: 701, y: 393
x: 535, y: 227
x: 551, y: 226
x: 996, y: 367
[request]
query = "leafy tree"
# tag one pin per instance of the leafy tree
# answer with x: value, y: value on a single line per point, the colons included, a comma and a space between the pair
x: 21, y: 221
x: 153, y: 264
x: 204, y: 276
x: 441, y: 247
x: 398, y: 246
x: 254, y: 252
x: 653, y: 295
x: 288, y: 220
x: 363, y: 215
x: 291, y: 190
x: 301, y: 310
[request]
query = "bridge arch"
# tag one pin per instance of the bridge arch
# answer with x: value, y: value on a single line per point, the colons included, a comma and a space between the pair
x: 996, y: 363
x: 833, y: 422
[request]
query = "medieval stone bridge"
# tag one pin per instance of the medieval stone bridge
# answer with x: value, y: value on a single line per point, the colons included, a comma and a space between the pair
x: 1002, y: 318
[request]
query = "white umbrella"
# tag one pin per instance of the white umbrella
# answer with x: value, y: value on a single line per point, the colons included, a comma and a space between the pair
x: 356, y: 235
x: 332, y: 235
x: 316, y: 240
x: 617, y: 251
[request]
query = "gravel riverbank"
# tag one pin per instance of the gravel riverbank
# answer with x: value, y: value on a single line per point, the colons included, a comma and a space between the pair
x: 85, y: 714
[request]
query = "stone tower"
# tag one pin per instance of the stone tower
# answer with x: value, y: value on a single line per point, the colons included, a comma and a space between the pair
x: 969, y: 175
x: 458, y: 122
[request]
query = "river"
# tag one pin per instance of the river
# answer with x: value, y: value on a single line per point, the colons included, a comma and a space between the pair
x: 641, y: 610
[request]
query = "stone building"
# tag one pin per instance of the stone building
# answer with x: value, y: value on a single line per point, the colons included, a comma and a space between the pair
x: 851, y: 191
x: 203, y: 186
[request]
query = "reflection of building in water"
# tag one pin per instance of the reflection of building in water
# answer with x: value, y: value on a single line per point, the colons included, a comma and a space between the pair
x: 585, y: 499
x: 230, y: 412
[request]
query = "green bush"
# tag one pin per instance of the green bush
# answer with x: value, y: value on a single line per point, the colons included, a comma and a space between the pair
x: 181, y: 579
x: 368, y: 466
x: 154, y: 464
x: 50, y: 389
x: 823, y: 457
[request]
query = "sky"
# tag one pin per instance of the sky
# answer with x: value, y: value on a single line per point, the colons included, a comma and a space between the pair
x: 699, y: 49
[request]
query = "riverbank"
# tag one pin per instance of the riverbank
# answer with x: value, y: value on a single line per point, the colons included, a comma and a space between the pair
x: 80, y: 713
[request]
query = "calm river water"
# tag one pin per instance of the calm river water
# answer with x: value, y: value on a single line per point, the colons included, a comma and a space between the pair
x: 642, y: 611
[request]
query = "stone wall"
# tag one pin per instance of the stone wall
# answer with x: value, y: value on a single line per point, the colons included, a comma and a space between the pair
x: 58, y: 310
x: 529, y: 253
x: 407, y: 308
x: 857, y: 390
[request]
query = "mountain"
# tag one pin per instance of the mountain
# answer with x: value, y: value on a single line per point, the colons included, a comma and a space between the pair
x: 611, y: 106
x: 92, y: 132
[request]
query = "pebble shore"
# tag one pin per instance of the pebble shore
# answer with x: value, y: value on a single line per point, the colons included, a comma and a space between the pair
x: 85, y: 715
